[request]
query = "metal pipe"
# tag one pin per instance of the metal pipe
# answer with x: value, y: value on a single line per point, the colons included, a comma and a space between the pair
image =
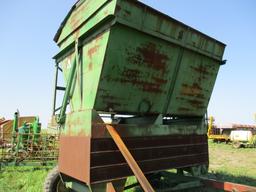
x: 36, y: 130
x: 61, y: 118
x: 55, y: 88
x: 15, y: 127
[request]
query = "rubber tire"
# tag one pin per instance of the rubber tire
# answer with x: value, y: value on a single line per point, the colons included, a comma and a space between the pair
x: 52, y: 180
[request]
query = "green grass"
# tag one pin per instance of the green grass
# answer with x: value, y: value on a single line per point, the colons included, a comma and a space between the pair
x: 226, y: 163
x: 22, y: 179
x: 234, y: 165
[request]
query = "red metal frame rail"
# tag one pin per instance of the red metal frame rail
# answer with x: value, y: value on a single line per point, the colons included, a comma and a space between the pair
x: 228, y: 186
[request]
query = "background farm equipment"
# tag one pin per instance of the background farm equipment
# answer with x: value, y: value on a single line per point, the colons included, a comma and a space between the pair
x: 237, y: 134
x: 243, y: 138
x: 27, y: 144
x: 217, y: 134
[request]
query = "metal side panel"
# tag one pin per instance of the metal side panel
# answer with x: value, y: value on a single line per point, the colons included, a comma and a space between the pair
x: 193, y: 85
x: 137, y: 72
x: 74, y: 157
x: 151, y: 153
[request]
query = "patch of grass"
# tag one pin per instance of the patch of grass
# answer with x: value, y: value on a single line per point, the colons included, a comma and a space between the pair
x: 234, y: 165
x: 22, y: 179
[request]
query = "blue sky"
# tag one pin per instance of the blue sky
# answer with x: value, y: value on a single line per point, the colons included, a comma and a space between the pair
x: 27, y: 70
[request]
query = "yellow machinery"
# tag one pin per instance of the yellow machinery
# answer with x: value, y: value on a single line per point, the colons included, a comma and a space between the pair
x: 215, y: 133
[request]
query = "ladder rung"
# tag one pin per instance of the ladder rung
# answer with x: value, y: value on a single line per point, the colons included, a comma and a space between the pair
x: 61, y: 88
x: 57, y: 109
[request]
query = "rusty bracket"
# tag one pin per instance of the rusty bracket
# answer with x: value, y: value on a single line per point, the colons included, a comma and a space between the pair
x: 130, y: 160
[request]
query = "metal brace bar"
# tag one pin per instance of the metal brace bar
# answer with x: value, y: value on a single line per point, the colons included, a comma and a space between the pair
x: 57, y: 109
x: 130, y: 160
x: 55, y: 90
x: 110, y: 187
x: 59, y: 69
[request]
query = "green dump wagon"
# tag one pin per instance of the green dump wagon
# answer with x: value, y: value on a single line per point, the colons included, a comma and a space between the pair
x: 135, y: 72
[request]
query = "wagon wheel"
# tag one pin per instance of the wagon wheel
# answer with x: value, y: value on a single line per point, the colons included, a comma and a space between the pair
x: 53, y: 182
x: 236, y: 144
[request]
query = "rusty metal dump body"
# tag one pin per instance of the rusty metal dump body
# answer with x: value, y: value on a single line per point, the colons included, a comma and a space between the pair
x: 131, y: 59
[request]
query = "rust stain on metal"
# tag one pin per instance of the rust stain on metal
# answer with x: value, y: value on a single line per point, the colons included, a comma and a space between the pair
x: 106, y: 12
x: 74, y: 157
x: 201, y: 69
x: 93, y: 50
x: 74, y: 23
x: 131, y: 73
x: 90, y: 66
x: 150, y: 55
x: 184, y: 109
x: 196, y: 103
x: 202, y: 72
x: 98, y: 130
x: 159, y: 80
x: 134, y: 76
x: 77, y: 122
x: 152, y: 88
x: 112, y: 101
x: 76, y: 34
x: 99, y: 38
x: 67, y: 61
x: 75, y: 19
x: 193, y: 90
x: 153, y: 58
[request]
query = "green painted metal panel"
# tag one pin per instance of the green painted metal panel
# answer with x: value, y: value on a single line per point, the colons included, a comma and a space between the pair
x: 136, y: 60
x: 107, y: 11
x: 93, y: 59
x: 82, y: 12
x: 78, y: 123
x: 136, y: 73
x: 150, y: 21
x: 88, y: 72
x: 193, y: 85
x: 155, y: 64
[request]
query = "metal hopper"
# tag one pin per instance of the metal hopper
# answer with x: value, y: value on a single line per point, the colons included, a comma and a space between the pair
x: 150, y: 74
